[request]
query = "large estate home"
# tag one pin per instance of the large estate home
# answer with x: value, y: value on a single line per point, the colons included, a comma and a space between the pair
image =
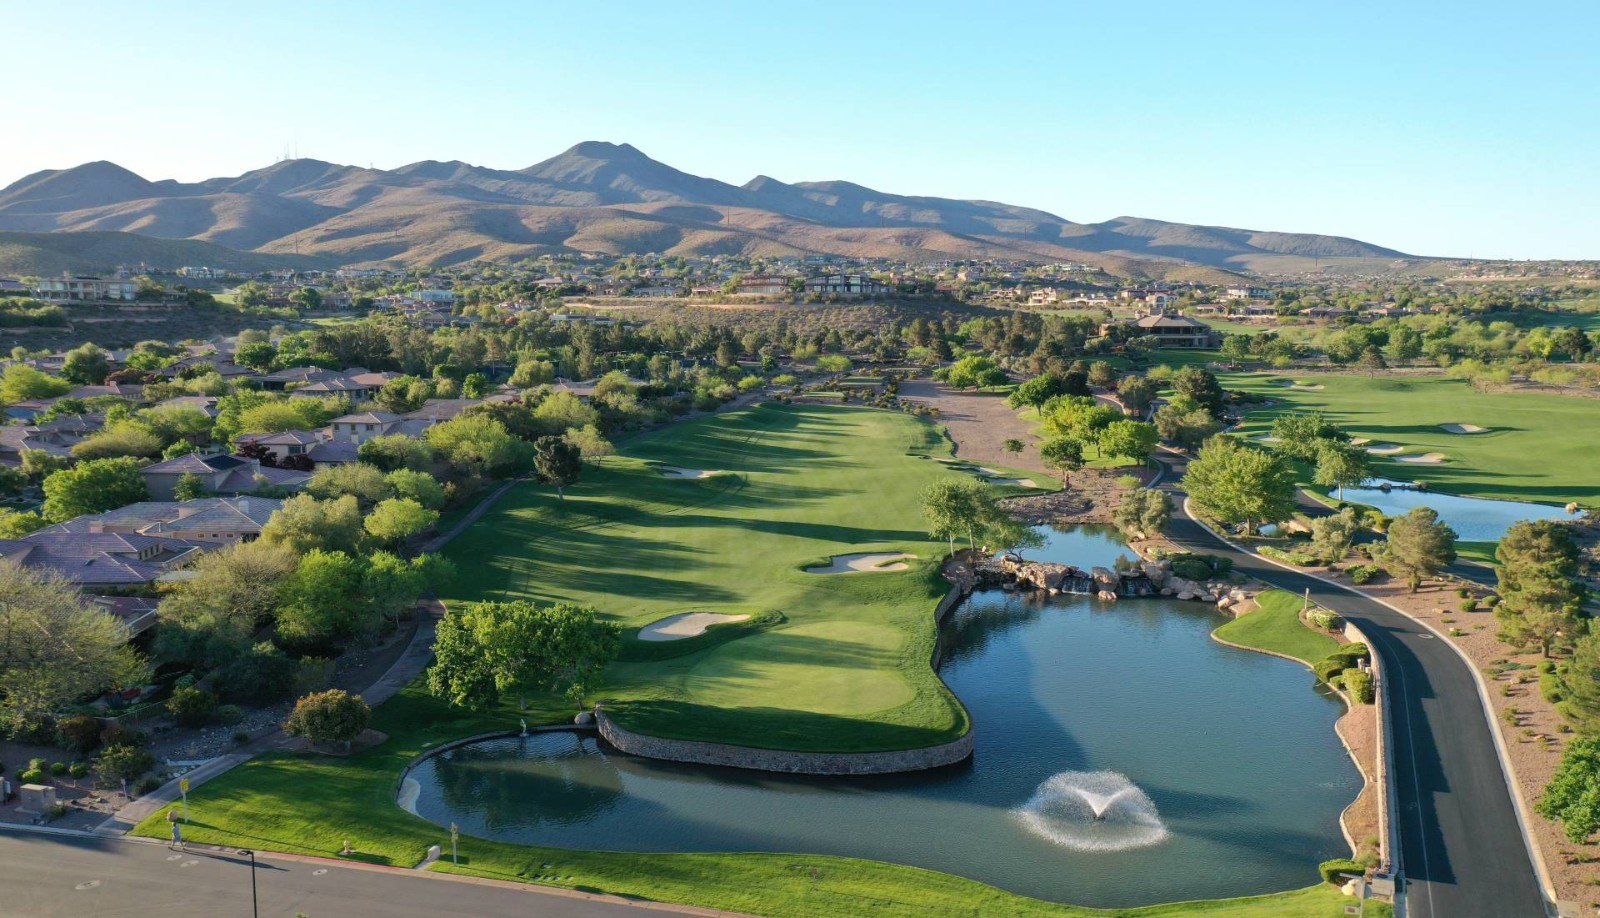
x: 206, y: 519
x: 1174, y: 330
x: 220, y: 473
x: 101, y: 560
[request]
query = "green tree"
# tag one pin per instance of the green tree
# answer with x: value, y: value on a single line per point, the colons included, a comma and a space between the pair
x: 396, y: 451
x: 1331, y: 535
x: 20, y: 382
x: 488, y: 649
x: 952, y: 506
x: 1200, y: 387
x: 333, y: 716
x: 189, y: 487
x: 323, y: 601
x: 1419, y: 545
x: 306, y: 524
x: 1240, y: 485
x: 1371, y: 360
x: 398, y: 519
x: 1541, y: 597
x: 975, y: 372
x: 1137, y: 393
x: 209, y: 619
x: 122, y: 762
x: 480, y: 445
x: 124, y: 439
x: 1573, y: 794
x: 1301, y: 434
x: 1143, y: 513
x: 1340, y: 465
x: 591, y: 444
x: 257, y: 355
x: 1063, y: 455
x: 55, y: 647
x: 1036, y: 391
x: 557, y: 462
x: 86, y: 366
x: 366, y: 483
x: 1129, y: 439
x: 418, y: 486
x: 94, y: 486
x: 15, y: 524
x: 1188, y: 427
x: 1580, y: 685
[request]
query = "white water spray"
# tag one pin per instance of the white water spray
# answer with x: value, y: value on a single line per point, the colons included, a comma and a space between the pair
x: 1093, y: 811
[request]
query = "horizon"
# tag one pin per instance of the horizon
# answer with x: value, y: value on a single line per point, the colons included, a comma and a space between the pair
x: 1431, y: 135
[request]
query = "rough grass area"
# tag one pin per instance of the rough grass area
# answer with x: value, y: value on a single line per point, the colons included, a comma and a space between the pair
x: 1540, y: 447
x: 1276, y: 627
x: 848, y: 667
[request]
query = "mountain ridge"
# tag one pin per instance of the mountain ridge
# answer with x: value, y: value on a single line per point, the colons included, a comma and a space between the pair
x: 613, y: 198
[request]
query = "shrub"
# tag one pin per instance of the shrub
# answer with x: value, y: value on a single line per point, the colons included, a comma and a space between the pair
x: 1192, y: 569
x: 262, y: 675
x: 122, y: 762
x: 334, y: 716
x: 31, y: 776
x: 146, y: 785
x: 241, y: 737
x: 1297, y: 558
x: 78, y: 769
x: 1329, y: 669
x: 1331, y: 870
x: 1323, y: 619
x: 118, y: 735
x: 1354, y: 653
x: 1550, y: 688
x: 190, y: 706
x: 184, y: 681
x: 1490, y: 601
x: 1547, y: 666
x: 1469, y: 604
x: 80, y: 733
x: 1359, y: 684
x: 1362, y: 573
x: 1463, y: 592
x: 229, y: 715
x: 57, y: 769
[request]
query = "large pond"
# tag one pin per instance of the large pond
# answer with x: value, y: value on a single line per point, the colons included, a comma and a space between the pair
x: 1123, y: 758
x: 1475, y: 519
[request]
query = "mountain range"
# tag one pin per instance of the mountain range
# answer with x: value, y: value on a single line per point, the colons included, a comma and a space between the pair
x: 612, y: 198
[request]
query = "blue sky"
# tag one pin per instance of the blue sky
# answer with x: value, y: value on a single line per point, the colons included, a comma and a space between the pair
x: 1452, y: 129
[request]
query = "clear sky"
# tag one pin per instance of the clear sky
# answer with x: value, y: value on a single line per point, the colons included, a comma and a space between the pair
x: 1461, y: 128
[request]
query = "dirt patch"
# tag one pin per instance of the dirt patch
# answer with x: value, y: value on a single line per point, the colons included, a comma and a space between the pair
x: 979, y: 424
x: 684, y: 625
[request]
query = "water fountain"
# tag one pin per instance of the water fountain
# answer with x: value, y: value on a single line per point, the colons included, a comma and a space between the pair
x: 1093, y: 811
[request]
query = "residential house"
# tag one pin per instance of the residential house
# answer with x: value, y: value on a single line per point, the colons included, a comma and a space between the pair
x: 848, y: 285
x: 363, y: 426
x: 1174, y: 330
x: 764, y: 285
x: 102, y: 560
x: 356, y: 385
x: 206, y: 519
x: 85, y: 289
x: 220, y: 473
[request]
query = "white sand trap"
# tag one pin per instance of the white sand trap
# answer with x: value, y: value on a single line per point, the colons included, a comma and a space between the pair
x: 1300, y: 384
x: 1424, y: 459
x: 1463, y: 428
x: 684, y: 625
x: 1024, y: 482
x: 864, y: 563
x: 1269, y: 438
x: 1360, y: 441
x: 1384, y: 449
x: 672, y: 471
x: 987, y: 473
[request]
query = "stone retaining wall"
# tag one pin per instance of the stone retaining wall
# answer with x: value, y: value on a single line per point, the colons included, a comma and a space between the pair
x: 1387, y: 802
x: 800, y: 763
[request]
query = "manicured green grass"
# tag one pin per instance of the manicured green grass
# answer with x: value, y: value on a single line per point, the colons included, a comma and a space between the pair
x: 847, y: 669
x: 1276, y: 627
x: 1481, y: 552
x: 1540, y: 448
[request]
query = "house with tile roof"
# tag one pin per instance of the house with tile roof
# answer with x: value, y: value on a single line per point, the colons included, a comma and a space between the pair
x: 205, y: 519
x: 221, y: 474
x: 102, y: 560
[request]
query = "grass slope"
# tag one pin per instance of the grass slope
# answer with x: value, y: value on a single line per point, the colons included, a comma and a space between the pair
x: 1541, y: 447
x: 848, y: 667
x: 1276, y: 627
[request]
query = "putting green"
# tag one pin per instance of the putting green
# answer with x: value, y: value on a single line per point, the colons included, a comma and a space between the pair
x: 848, y: 667
x: 1538, y: 447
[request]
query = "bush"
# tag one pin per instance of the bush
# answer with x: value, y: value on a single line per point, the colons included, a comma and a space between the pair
x: 80, y: 733
x: 241, y: 737
x: 262, y: 675
x: 1362, y: 573
x: 1323, y: 619
x: 1490, y: 601
x: 78, y: 769
x: 31, y: 776
x: 1331, y: 870
x: 1547, y: 666
x: 1329, y: 669
x: 1297, y: 558
x: 1550, y: 687
x: 146, y: 785
x: 190, y: 706
x: 1469, y: 604
x: 229, y: 715
x: 118, y: 735
x: 1353, y: 653
x: 1359, y: 684
x: 1191, y: 569
x: 334, y: 716
x: 122, y: 762
x: 57, y: 769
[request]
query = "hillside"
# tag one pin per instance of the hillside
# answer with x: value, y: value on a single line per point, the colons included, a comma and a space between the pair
x: 613, y: 198
x: 101, y: 252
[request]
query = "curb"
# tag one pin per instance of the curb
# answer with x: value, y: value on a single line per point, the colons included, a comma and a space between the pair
x: 1507, y: 770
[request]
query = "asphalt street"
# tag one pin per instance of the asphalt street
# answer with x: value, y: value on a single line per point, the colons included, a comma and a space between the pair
x: 1461, y: 847
x: 46, y: 876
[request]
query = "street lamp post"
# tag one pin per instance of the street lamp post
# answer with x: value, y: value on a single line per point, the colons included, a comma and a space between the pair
x: 255, y: 908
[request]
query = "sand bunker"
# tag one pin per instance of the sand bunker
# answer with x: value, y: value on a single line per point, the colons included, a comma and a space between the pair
x: 1299, y: 384
x: 1424, y: 459
x: 1384, y: 449
x: 672, y: 471
x: 1463, y: 428
x: 684, y: 625
x: 1269, y: 438
x: 864, y: 563
x: 1024, y: 482
x: 1360, y: 441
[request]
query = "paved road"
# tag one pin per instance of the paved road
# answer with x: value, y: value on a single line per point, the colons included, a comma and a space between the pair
x: 49, y: 876
x: 1461, y: 847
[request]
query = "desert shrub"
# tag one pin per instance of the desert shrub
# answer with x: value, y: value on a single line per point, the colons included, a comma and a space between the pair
x: 1469, y: 604
x: 1547, y: 666
x: 1550, y: 688
x: 146, y: 785
x: 191, y: 707
x: 1297, y: 558
x: 1191, y: 569
x: 57, y: 769
x: 78, y: 769
x: 229, y: 715
x: 1331, y: 870
x: 1362, y: 573
x: 1490, y: 601
x: 1359, y: 684
x: 333, y: 716
x: 31, y: 775
x: 121, y: 762
x: 80, y: 732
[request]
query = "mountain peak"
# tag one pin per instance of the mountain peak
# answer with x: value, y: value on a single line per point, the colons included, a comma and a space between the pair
x: 600, y: 149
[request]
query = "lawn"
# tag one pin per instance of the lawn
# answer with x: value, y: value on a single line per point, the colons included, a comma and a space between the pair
x: 1541, y: 447
x: 1276, y: 627
x: 846, y: 667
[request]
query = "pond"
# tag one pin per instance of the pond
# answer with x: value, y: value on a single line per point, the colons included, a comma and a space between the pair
x: 1475, y: 519
x: 1123, y: 758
